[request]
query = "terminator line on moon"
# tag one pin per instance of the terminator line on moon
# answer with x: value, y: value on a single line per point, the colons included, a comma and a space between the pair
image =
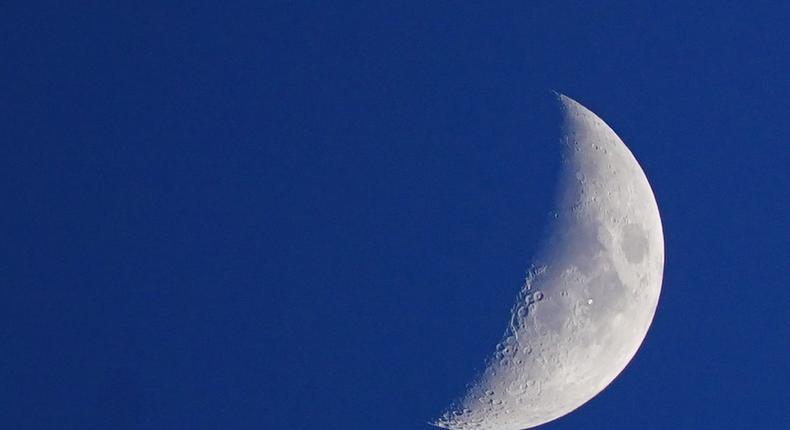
x: 590, y: 296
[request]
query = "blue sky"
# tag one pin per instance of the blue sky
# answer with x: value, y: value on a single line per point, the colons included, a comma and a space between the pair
x: 284, y: 215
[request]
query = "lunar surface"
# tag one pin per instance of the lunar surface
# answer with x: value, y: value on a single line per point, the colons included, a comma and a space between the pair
x: 589, y: 297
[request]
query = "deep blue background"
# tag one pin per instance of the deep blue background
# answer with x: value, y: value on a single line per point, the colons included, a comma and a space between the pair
x: 272, y: 215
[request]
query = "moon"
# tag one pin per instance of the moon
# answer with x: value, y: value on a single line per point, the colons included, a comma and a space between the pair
x: 589, y: 297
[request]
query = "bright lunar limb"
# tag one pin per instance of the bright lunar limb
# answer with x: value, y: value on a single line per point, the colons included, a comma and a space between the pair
x: 590, y: 296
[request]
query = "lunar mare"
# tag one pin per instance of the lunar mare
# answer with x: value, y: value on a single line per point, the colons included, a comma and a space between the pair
x: 590, y: 297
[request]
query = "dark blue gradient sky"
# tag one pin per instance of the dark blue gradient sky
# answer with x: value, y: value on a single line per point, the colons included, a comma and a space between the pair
x: 284, y: 215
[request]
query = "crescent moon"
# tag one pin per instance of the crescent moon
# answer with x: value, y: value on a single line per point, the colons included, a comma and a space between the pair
x: 590, y: 296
